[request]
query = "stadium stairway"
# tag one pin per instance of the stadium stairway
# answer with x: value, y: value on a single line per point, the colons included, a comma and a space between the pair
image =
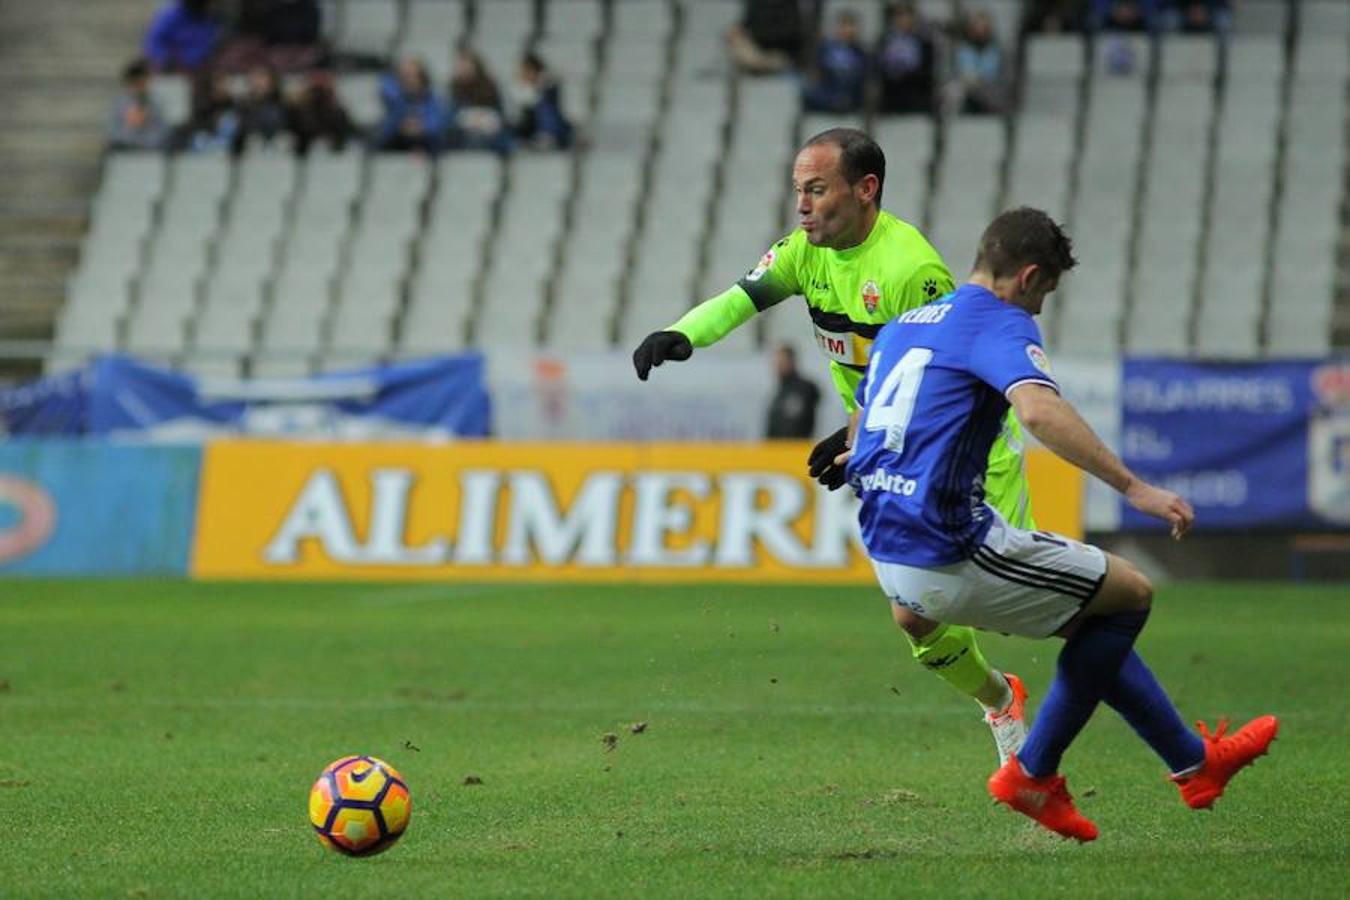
x: 59, y: 67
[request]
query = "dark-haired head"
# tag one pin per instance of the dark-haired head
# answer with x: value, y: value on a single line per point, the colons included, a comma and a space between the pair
x: 859, y: 155
x: 136, y: 71
x: 1022, y: 255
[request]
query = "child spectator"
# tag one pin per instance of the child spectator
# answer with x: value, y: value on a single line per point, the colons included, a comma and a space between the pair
x: 979, y: 87
x: 415, y: 119
x: 214, y: 125
x: 318, y: 116
x: 840, y: 76
x: 542, y: 124
x: 262, y: 113
x: 907, y: 63
x: 476, y: 102
x: 182, y: 36
x: 136, y: 122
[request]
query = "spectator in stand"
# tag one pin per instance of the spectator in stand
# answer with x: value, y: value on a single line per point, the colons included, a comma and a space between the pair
x: 1053, y: 16
x: 182, y: 36
x: 283, y: 34
x: 214, y: 124
x: 978, y: 86
x: 840, y: 76
x: 262, y: 112
x: 415, y: 118
x: 906, y: 61
x: 769, y: 38
x: 792, y: 411
x: 318, y: 116
x: 478, y: 121
x: 542, y: 124
x: 1198, y: 16
x: 136, y: 122
x: 1124, y: 15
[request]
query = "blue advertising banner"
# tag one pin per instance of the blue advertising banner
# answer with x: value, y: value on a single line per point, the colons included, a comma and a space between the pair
x: 1250, y: 445
x: 439, y: 397
x: 92, y: 508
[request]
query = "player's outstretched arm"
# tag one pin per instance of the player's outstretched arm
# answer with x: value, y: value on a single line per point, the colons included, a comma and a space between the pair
x: 702, y: 326
x: 1057, y: 425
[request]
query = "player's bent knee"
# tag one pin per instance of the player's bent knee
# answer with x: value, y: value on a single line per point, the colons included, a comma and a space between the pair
x: 1137, y: 588
x: 1125, y: 589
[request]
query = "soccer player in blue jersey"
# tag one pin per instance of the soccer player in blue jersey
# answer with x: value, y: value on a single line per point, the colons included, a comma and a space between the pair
x: 940, y: 379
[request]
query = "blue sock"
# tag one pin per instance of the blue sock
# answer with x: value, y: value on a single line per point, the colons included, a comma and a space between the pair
x: 1143, y: 703
x: 1088, y: 666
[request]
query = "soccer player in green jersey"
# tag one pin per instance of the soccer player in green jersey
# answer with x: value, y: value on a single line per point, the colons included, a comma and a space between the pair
x: 858, y: 267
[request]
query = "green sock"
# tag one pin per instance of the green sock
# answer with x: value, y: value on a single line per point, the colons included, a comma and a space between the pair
x: 950, y: 653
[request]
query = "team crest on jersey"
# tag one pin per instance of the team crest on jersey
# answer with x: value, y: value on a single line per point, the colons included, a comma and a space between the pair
x: 871, y: 295
x: 758, y: 271
x: 1038, y: 358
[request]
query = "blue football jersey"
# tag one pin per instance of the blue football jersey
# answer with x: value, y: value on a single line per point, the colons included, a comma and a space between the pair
x: 933, y: 402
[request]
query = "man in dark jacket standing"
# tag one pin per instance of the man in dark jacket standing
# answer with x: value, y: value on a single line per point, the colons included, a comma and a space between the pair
x: 792, y: 412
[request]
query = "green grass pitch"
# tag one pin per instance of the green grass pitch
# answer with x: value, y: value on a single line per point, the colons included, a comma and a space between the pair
x: 158, y: 739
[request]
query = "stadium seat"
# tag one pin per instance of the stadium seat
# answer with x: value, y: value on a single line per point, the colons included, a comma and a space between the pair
x: 1188, y: 58
x: 212, y: 366
x: 1255, y: 58
x: 360, y: 94
x: 434, y: 321
x: 134, y: 174
x: 173, y: 94
x: 282, y: 364
x: 642, y: 20
x: 368, y: 26
x: 1054, y: 74
x: 156, y: 331
x: 573, y: 19
x: 1324, y: 18
x: 203, y: 177
x: 432, y: 28
x: 1264, y: 18
x: 702, y: 52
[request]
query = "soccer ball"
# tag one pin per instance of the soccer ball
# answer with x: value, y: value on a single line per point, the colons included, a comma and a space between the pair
x: 359, y: 806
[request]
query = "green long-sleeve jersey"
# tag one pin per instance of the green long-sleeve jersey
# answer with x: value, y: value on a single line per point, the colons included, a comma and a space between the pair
x: 850, y: 294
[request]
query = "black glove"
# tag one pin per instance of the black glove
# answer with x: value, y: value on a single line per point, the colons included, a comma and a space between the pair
x: 658, y: 347
x: 821, y: 460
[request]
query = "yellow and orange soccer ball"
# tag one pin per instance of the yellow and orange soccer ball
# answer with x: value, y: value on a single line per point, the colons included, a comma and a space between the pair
x: 359, y: 806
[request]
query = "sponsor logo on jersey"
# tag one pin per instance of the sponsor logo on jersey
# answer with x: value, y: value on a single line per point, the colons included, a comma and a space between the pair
x: 843, y: 347
x: 871, y: 295
x: 1038, y: 358
x: 758, y: 271
x: 881, y: 480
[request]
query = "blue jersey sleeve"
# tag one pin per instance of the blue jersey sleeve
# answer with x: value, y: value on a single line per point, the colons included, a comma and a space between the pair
x: 1010, y: 353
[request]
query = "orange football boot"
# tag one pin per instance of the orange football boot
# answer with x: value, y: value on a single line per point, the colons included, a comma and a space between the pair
x: 1045, y: 799
x: 1225, y: 756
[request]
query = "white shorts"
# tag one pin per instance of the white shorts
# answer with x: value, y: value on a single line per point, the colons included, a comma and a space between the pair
x: 1027, y: 583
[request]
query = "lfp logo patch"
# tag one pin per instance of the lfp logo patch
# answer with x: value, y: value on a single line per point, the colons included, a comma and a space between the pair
x: 758, y: 271
x: 871, y: 296
x: 1038, y: 358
